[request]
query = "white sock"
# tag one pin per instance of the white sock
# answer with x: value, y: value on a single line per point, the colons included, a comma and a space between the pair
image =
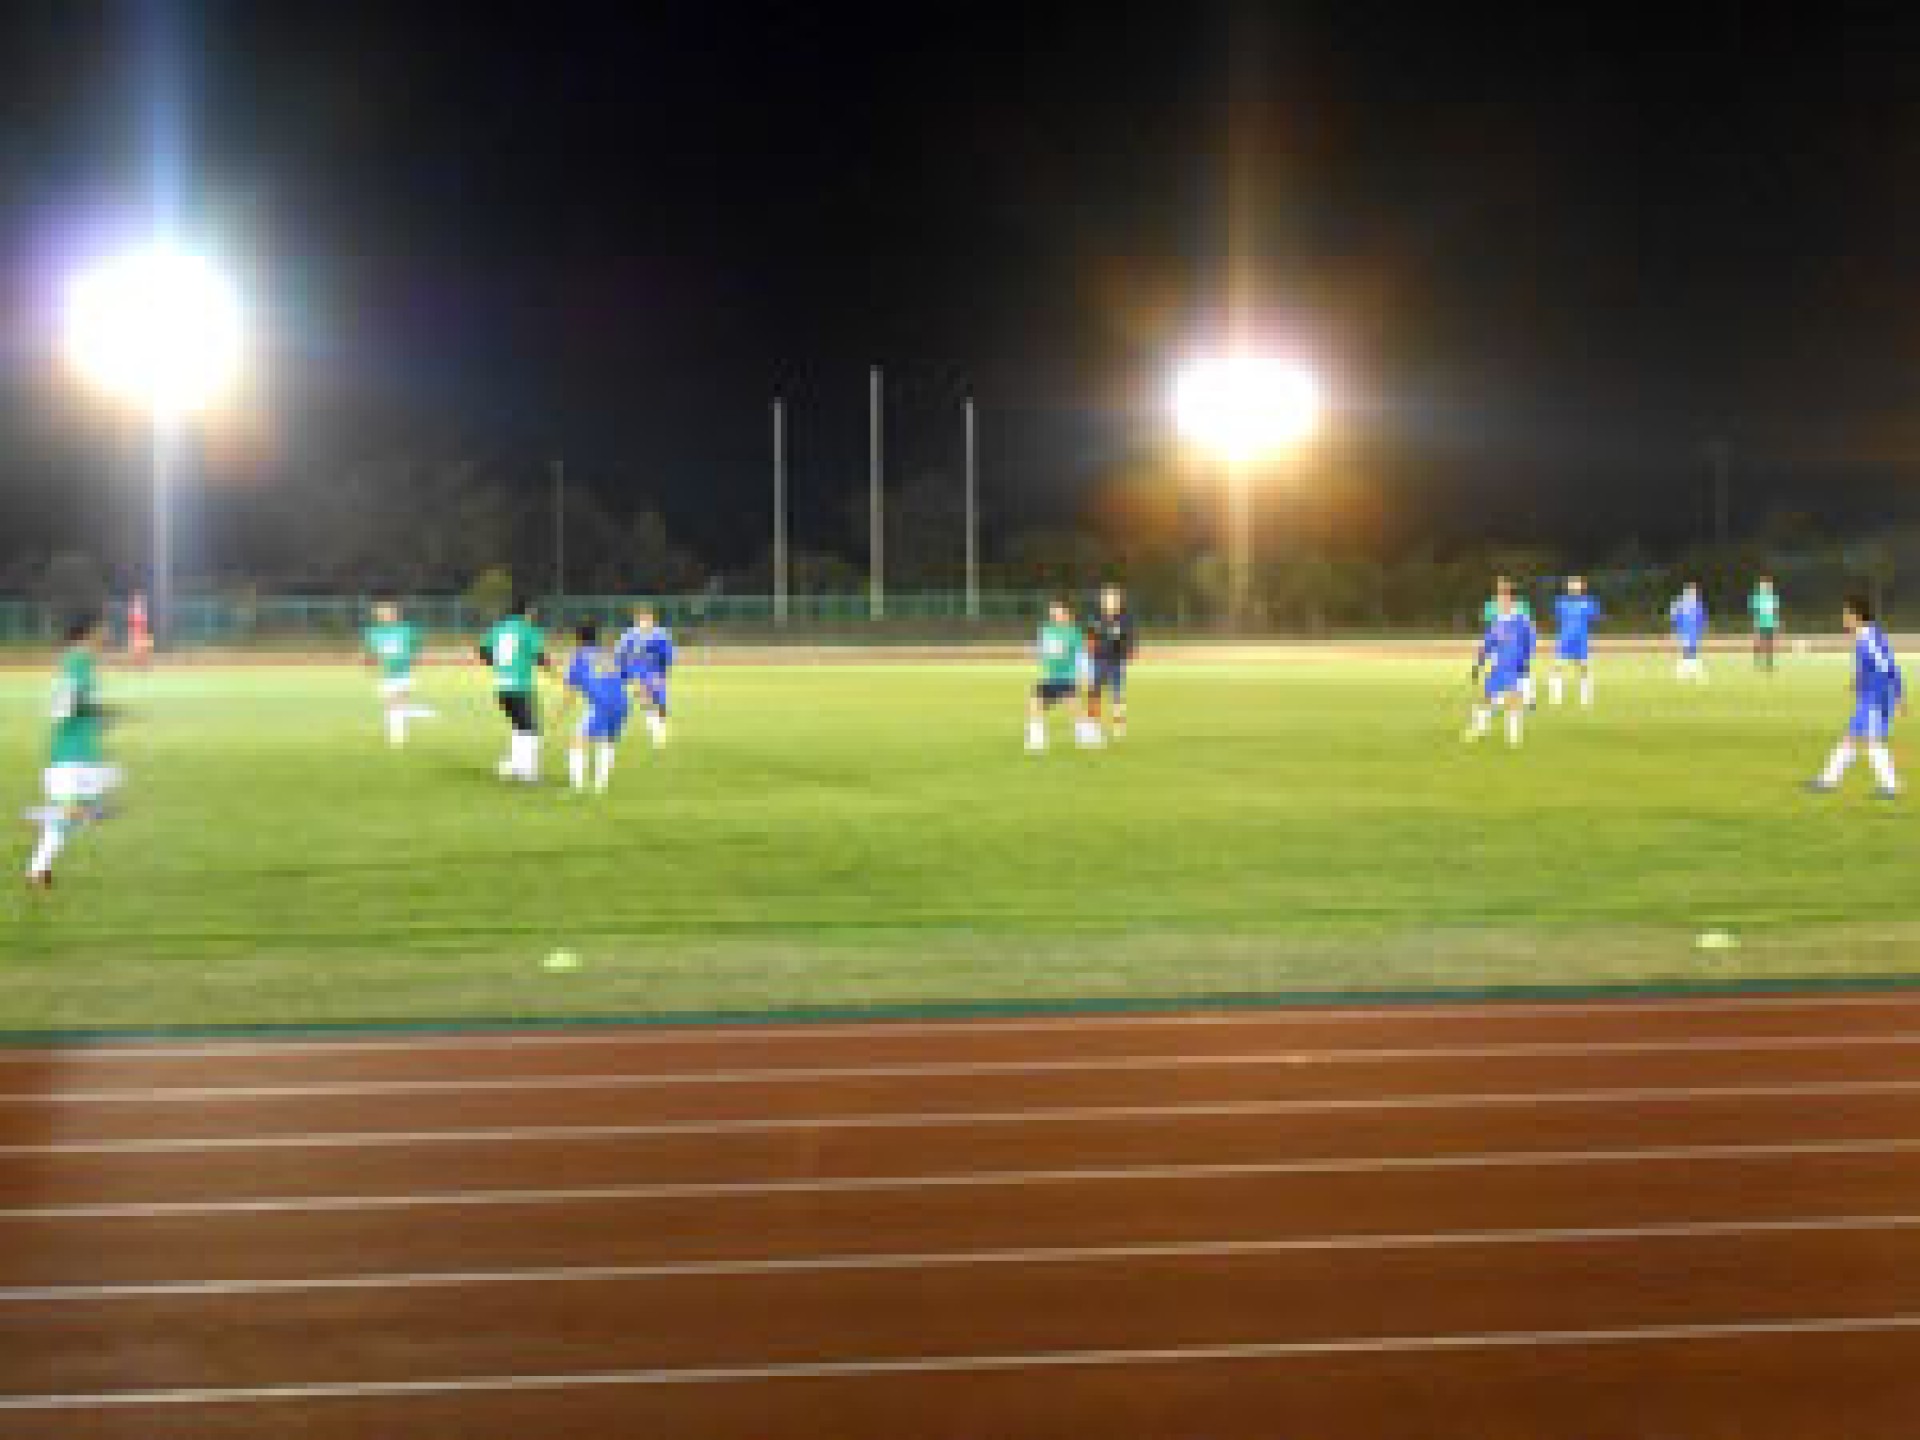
x: 1482, y: 720
x: 603, y: 766
x: 1036, y: 734
x: 1556, y: 688
x: 1881, y: 759
x: 577, y: 766
x: 1837, y: 763
x: 526, y: 756
x: 397, y: 725
x: 1514, y: 719
x: 53, y: 835
x: 657, y: 727
x: 1586, y: 690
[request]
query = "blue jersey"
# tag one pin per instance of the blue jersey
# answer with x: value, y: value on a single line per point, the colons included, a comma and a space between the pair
x: 596, y: 676
x: 1575, y: 614
x: 645, y: 654
x: 1688, y: 618
x: 1876, y: 674
x: 1508, y: 645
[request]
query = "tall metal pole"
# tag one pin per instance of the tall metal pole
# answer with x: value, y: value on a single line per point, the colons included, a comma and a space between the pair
x: 779, y: 512
x: 973, y: 511
x: 1718, y: 451
x: 163, y: 452
x: 559, y: 529
x: 876, y: 520
x: 1239, y: 544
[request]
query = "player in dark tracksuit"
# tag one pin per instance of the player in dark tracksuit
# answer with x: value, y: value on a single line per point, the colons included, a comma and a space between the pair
x: 1112, y: 642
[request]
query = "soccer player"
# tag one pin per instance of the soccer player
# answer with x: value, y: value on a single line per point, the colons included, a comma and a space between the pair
x: 1764, y: 606
x: 1506, y: 653
x: 646, y: 656
x: 392, y: 645
x: 1061, y: 649
x: 1878, y: 691
x: 1504, y: 590
x: 1688, y: 617
x: 513, y: 650
x: 1574, y: 613
x: 1113, y: 642
x: 597, y: 679
x: 139, y: 631
x: 77, y: 777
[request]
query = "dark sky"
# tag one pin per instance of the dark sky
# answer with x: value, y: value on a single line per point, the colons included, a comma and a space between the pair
x: 1543, y: 257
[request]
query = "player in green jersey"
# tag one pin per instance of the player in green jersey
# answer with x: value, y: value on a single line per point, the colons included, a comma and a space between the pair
x: 514, y: 651
x: 1764, y: 606
x: 1062, y: 651
x: 77, y: 777
x: 392, y: 646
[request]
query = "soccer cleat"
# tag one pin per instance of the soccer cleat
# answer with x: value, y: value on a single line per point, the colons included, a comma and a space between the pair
x: 43, y: 880
x: 1884, y: 792
x: 1819, y: 787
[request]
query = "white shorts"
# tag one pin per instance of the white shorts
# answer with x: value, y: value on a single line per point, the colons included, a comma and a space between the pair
x: 71, y: 783
x: 396, y: 687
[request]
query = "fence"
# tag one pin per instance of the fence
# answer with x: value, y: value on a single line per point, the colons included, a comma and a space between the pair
x: 333, y: 621
x: 1290, y: 601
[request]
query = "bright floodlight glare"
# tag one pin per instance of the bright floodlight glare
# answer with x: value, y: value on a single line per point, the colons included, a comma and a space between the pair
x: 160, y: 328
x: 1244, y: 407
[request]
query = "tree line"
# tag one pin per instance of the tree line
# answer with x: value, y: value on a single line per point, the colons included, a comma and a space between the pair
x: 406, y: 527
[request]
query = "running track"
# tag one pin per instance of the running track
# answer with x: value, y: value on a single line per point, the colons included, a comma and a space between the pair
x: 1665, y: 1220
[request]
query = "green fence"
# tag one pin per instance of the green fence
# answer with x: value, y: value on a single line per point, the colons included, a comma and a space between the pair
x: 335, y: 621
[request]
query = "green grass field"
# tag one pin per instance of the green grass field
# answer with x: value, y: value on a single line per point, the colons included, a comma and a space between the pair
x: 852, y: 835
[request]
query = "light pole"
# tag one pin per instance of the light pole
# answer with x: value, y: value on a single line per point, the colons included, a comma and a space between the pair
x: 162, y: 330
x: 1243, y: 410
x: 779, y: 512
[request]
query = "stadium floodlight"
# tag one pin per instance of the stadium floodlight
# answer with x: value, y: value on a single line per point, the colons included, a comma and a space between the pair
x: 1242, y: 410
x: 162, y: 330
x: 1245, y: 408
x: 159, y: 328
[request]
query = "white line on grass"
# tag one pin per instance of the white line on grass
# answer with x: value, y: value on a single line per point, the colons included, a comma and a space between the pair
x: 961, y: 1259
x: 963, y: 1119
x: 958, y: 1180
x: 963, y: 1364
x: 1307, y: 1012
x: 778, y: 1075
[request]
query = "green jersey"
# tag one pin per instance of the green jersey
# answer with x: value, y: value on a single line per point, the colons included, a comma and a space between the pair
x: 1490, y: 611
x: 76, y: 714
x: 1060, y: 650
x: 393, y: 648
x: 514, y: 645
x: 1765, y: 608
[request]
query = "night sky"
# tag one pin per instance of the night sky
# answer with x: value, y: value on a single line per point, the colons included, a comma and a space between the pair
x: 1543, y: 258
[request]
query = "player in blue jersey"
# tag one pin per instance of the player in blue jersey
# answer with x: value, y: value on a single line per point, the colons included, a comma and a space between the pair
x: 1505, y: 589
x: 1506, y: 655
x: 596, y: 681
x: 1574, y: 612
x: 1878, y: 691
x: 1688, y: 617
x: 646, y: 658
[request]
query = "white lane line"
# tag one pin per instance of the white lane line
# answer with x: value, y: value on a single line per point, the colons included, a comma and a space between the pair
x: 963, y: 1119
x: 958, y: 1180
x: 961, y: 1364
x: 781, y: 1075
x: 1330, y: 1012
x: 961, y: 1259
